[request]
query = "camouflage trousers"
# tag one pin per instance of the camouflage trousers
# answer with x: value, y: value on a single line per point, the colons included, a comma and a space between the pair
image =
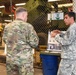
x: 20, y: 63
x: 13, y: 69
x: 67, y: 67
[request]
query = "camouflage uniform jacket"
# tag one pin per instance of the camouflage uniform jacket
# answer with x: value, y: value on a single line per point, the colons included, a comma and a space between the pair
x: 20, y: 37
x: 68, y: 42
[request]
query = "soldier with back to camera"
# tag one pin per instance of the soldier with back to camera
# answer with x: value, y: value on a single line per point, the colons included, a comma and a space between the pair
x: 20, y: 38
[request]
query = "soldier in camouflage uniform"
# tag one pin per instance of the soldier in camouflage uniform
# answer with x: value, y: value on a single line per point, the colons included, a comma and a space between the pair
x: 20, y: 38
x: 68, y: 42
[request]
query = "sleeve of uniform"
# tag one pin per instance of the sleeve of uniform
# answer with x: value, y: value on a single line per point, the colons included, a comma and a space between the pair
x: 5, y: 34
x: 33, y: 38
x: 67, y: 38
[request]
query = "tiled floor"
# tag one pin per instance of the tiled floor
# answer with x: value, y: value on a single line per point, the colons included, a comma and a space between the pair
x: 38, y: 71
x: 2, y: 69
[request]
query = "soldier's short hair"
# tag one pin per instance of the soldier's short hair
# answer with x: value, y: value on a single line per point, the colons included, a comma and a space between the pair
x: 71, y: 14
x: 20, y: 9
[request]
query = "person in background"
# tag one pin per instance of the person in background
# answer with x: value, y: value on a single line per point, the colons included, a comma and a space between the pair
x: 20, y: 38
x: 68, y: 41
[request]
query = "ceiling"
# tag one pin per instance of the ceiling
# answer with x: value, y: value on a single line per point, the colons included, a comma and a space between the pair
x: 7, y: 3
x: 2, y: 2
x: 64, y: 1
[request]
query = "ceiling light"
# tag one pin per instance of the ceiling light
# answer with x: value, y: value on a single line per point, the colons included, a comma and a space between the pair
x: 20, y: 4
x: 64, y: 5
x: 52, y: 0
x: 8, y: 20
x: 11, y: 15
x: 2, y: 6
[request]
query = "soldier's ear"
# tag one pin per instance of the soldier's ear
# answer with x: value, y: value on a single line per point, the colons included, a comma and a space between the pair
x: 23, y: 15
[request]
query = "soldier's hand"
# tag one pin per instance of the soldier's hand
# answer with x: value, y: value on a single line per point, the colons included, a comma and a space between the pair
x: 55, y: 32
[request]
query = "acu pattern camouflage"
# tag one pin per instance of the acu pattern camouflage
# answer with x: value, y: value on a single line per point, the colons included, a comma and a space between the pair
x: 68, y: 55
x: 20, y: 37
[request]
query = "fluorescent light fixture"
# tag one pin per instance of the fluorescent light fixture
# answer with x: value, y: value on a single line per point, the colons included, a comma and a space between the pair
x: 52, y: 0
x: 65, y: 5
x: 11, y: 15
x: 20, y: 4
x: 8, y: 20
x: 2, y: 6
